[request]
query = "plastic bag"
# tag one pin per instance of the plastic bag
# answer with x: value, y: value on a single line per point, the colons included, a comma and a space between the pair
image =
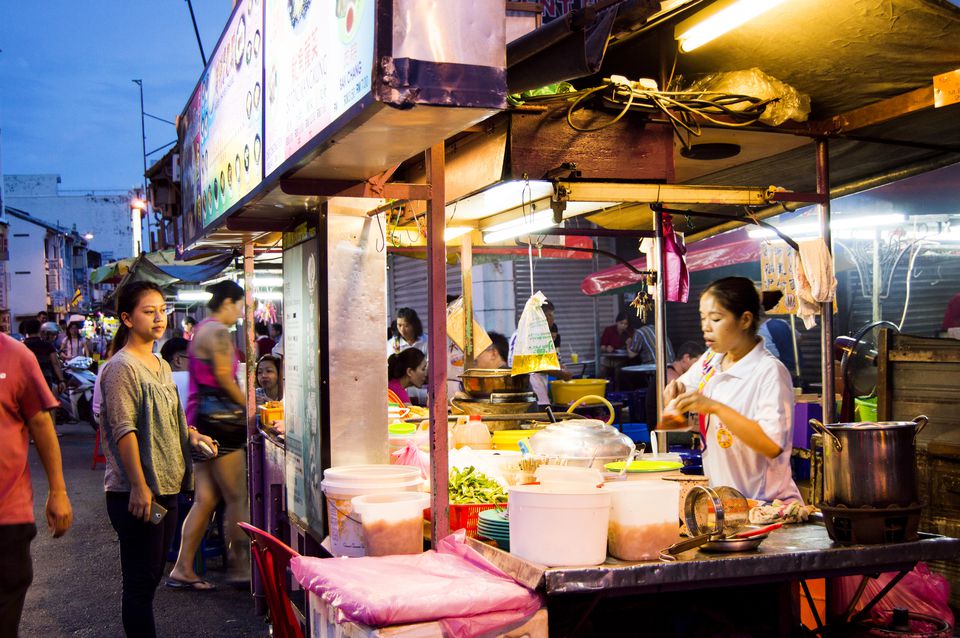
x: 454, y: 585
x: 791, y: 104
x: 921, y: 591
x: 412, y: 456
x: 534, y: 350
x: 456, y: 332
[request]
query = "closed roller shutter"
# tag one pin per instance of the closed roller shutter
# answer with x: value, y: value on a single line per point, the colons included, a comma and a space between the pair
x: 407, y: 279
x: 559, y: 280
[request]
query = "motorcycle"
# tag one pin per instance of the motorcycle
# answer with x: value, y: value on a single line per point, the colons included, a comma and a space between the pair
x: 76, y: 400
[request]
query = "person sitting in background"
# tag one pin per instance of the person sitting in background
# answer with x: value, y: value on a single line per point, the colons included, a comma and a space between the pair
x: 409, y: 333
x: 687, y: 355
x: 174, y: 352
x: 777, y: 339
x: 617, y: 336
x: 496, y: 354
x: 189, y: 324
x: 269, y: 379
x: 406, y: 369
x: 276, y: 333
x: 264, y: 342
x: 644, y: 345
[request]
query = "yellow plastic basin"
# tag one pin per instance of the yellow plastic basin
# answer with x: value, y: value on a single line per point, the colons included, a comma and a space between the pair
x: 566, y: 392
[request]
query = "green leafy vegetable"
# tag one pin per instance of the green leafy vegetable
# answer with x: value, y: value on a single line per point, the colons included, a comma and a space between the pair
x: 469, y: 486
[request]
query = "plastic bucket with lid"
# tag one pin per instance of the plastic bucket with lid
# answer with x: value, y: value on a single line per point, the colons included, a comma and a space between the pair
x: 392, y: 522
x: 556, y: 526
x: 644, y: 518
x: 341, y: 484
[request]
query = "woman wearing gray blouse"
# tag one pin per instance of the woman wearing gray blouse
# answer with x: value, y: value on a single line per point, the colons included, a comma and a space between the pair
x: 148, y: 450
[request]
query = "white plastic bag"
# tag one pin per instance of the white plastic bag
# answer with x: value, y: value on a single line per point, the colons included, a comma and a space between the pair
x: 533, y: 350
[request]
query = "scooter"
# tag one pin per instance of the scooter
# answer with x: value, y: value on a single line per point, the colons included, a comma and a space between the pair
x: 76, y: 400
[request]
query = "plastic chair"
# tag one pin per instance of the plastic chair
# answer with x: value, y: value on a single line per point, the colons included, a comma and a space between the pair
x: 272, y: 557
x: 98, y: 456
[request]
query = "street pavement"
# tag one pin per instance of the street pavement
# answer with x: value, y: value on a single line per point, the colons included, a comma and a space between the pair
x: 76, y: 584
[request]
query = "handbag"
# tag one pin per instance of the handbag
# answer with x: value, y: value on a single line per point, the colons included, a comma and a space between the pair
x: 221, y: 419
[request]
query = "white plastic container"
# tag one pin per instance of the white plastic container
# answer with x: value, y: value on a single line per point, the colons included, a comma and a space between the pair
x: 392, y: 522
x: 341, y: 484
x: 559, y: 526
x: 561, y: 475
x: 644, y: 518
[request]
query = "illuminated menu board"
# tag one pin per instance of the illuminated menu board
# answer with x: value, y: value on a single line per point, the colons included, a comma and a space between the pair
x: 222, y: 126
x: 318, y: 63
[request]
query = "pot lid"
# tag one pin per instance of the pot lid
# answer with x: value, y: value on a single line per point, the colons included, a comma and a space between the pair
x: 581, y: 438
x: 873, y: 425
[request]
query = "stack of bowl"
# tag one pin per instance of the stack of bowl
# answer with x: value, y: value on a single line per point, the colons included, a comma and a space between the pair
x: 492, y: 524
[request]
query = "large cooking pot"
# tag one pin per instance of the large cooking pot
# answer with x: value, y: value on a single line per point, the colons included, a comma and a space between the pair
x: 870, y: 464
x: 482, y: 382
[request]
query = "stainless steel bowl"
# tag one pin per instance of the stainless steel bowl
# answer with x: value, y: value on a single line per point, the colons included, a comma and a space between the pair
x: 481, y: 382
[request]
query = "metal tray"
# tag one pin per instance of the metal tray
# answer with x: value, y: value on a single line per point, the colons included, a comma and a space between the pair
x: 733, y: 544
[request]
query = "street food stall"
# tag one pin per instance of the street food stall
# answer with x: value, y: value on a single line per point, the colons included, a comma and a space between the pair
x: 309, y: 130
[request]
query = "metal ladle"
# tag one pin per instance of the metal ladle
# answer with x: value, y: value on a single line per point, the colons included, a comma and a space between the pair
x: 711, y: 514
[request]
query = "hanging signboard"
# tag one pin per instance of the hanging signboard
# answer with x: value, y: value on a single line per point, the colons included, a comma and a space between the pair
x: 777, y: 273
x: 318, y: 63
x: 221, y: 129
x: 301, y: 371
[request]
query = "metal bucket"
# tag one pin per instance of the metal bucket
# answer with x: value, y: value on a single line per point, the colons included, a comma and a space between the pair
x: 870, y: 464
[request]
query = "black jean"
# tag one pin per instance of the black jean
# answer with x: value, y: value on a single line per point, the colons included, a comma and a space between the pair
x: 16, y: 574
x: 143, y: 555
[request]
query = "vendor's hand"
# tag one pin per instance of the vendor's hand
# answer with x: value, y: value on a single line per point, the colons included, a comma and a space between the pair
x: 140, y: 499
x: 694, y: 402
x: 59, y: 513
x: 673, y: 390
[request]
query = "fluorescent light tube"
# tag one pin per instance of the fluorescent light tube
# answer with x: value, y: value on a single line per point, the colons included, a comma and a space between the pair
x: 193, y: 295
x: 519, y: 226
x: 723, y: 17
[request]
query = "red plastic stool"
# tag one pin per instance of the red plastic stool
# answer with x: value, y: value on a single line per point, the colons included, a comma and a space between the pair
x: 98, y: 456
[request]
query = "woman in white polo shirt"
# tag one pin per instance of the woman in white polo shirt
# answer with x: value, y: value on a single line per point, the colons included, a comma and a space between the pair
x: 742, y: 394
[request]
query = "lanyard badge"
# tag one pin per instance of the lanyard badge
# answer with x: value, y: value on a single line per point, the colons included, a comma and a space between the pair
x: 724, y: 436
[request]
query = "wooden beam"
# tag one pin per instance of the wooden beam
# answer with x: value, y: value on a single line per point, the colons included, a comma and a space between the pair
x: 876, y: 113
x: 348, y: 188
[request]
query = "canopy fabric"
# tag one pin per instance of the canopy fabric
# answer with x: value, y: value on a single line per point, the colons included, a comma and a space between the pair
x: 726, y: 250
x: 162, y: 268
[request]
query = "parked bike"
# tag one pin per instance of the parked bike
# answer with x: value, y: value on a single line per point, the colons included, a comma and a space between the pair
x: 76, y: 400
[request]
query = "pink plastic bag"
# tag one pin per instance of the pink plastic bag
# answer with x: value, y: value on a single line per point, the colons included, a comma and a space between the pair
x: 677, y: 278
x: 921, y: 591
x: 454, y: 585
x: 414, y: 457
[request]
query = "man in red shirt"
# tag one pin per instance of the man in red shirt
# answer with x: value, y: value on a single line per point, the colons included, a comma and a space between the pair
x: 25, y: 404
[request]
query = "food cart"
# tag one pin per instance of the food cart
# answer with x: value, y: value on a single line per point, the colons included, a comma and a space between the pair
x: 319, y: 178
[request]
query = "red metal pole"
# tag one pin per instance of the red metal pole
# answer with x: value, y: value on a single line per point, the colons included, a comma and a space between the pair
x: 437, y: 319
x: 826, y: 309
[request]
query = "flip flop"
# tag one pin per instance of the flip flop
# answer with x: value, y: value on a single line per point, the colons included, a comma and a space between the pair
x: 196, y: 585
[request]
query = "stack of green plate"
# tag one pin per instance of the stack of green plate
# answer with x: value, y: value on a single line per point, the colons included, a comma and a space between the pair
x: 494, y: 525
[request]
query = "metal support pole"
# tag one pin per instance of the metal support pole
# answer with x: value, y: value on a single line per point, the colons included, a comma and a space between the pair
x: 143, y: 140
x: 437, y: 313
x: 877, y: 279
x: 466, y: 281
x: 660, y: 325
x: 826, y: 309
x: 250, y: 337
x: 596, y: 318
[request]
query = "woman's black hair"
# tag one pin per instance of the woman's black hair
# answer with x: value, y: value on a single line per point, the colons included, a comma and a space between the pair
x: 278, y: 364
x: 128, y: 297
x: 223, y: 291
x: 621, y: 316
x: 190, y: 320
x: 399, y: 363
x: 500, y: 344
x: 410, y: 315
x: 738, y: 295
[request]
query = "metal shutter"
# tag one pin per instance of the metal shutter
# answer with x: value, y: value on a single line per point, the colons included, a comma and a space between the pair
x: 560, y: 280
x: 407, y: 282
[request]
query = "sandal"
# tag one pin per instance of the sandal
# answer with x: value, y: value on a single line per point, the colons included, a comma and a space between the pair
x: 195, y: 585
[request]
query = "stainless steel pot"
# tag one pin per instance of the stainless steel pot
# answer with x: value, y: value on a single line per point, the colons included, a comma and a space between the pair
x: 482, y: 382
x: 870, y: 464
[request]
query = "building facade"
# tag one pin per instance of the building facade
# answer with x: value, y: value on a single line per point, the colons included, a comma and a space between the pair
x: 102, y: 216
x: 48, y: 268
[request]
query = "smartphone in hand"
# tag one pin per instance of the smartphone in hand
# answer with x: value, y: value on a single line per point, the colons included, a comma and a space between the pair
x: 157, y: 512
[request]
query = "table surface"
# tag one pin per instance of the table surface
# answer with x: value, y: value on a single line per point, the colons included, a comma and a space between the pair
x: 643, y: 367
x: 789, y: 553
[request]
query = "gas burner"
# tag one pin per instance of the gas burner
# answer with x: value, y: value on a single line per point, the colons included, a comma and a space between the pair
x: 871, y: 525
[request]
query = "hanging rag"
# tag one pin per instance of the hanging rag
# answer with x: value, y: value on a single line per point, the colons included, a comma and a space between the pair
x: 815, y: 280
x: 676, y: 278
